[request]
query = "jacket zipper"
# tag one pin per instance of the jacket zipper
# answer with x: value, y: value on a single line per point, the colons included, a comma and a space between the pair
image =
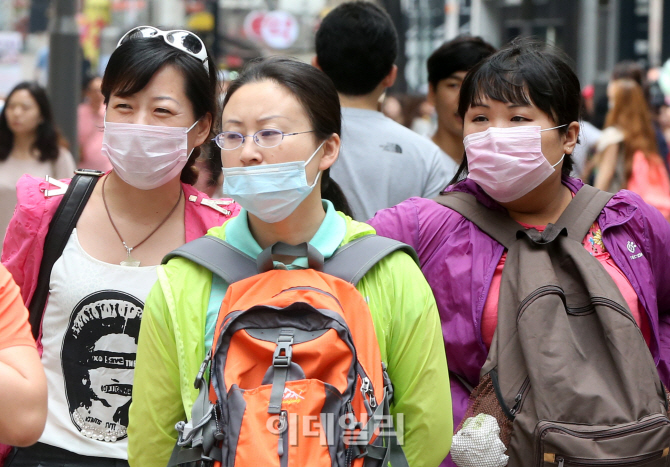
x: 603, y: 434
x: 631, y: 461
x: 544, y: 290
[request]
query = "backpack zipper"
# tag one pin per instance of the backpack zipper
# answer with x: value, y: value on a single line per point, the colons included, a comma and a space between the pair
x: 614, y: 305
x: 537, y: 293
x: 518, y: 400
x: 282, y: 442
x: 602, y: 434
x: 631, y: 461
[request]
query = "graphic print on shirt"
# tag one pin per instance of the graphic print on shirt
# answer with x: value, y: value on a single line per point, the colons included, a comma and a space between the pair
x: 98, y: 358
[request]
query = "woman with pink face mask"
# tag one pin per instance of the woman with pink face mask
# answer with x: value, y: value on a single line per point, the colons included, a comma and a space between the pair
x: 520, y: 109
x: 160, y: 95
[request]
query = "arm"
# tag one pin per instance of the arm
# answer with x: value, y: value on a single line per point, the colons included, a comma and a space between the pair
x: 157, y: 400
x: 438, y: 175
x: 23, y: 388
x: 409, y: 331
x: 400, y: 223
x: 606, y: 166
x: 23, y: 396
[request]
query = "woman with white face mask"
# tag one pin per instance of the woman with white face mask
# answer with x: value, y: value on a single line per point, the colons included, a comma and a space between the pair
x: 160, y: 96
x: 520, y: 109
x: 280, y: 135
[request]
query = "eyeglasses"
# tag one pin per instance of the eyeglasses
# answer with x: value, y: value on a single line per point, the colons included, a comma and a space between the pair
x: 180, y: 39
x: 229, y: 140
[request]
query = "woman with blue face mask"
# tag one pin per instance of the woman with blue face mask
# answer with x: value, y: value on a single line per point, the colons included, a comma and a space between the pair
x: 520, y: 109
x: 280, y: 135
x: 160, y: 95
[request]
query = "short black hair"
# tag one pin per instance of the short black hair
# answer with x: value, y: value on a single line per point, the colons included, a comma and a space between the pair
x: 525, y: 72
x: 356, y: 45
x: 459, y: 54
x: 135, y: 62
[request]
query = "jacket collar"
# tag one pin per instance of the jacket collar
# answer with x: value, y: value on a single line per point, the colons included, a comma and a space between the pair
x: 617, y: 211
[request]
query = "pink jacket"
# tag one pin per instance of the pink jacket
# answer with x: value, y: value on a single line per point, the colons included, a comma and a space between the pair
x: 24, y: 241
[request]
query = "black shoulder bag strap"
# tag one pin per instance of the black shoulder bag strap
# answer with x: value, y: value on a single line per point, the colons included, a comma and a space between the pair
x: 60, y: 228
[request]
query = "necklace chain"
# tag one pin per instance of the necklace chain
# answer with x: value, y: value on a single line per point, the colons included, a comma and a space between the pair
x: 125, y: 245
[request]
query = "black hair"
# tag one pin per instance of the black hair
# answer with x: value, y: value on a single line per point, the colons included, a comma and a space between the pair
x: 318, y: 97
x: 136, y: 61
x: 356, y: 45
x: 527, y: 72
x: 47, y: 137
x: 86, y: 81
x: 459, y: 54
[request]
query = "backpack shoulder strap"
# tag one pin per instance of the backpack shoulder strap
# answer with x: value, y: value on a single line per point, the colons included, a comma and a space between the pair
x: 495, y: 224
x: 220, y: 257
x: 63, y: 222
x: 583, y: 211
x: 353, y: 260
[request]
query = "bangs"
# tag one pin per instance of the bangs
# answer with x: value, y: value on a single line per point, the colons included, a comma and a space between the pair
x: 134, y: 63
x: 504, y: 86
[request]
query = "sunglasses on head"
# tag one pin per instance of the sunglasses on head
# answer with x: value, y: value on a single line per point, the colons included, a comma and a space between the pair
x: 180, y: 39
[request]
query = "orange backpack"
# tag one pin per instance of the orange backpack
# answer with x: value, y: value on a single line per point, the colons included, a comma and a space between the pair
x: 296, y: 377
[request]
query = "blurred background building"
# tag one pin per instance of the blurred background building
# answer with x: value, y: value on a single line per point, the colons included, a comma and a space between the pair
x: 595, y: 33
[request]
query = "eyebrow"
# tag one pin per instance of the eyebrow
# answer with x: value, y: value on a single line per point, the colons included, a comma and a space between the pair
x: 271, y: 117
x: 162, y: 98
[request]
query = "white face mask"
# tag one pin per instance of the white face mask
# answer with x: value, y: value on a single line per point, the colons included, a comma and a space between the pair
x: 146, y: 156
x: 270, y: 192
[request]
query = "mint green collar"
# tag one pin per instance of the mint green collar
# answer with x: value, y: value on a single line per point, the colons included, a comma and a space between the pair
x: 326, y: 240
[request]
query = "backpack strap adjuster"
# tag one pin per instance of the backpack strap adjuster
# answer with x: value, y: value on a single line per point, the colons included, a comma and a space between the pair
x: 284, y: 351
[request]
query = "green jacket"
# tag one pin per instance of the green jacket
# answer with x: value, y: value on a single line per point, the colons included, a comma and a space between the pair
x: 172, y: 347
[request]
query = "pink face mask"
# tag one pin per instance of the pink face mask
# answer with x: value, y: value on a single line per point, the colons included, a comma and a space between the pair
x: 508, y: 162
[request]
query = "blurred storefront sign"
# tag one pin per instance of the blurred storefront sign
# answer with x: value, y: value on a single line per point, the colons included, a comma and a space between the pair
x: 277, y: 29
x: 95, y: 15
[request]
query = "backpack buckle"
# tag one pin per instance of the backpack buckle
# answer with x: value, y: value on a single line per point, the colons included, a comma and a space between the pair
x: 283, y: 352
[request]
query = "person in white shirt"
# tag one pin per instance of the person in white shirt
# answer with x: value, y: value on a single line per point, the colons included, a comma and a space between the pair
x: 381, y: 162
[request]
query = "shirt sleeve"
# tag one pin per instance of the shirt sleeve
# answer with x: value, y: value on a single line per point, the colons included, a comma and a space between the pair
x: 409, y: 333
x: 14, y: 327
x: 157, y: 399
x: 438, y: 175
x: 610, y: 135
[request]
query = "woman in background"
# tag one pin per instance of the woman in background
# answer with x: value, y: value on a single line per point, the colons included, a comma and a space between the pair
x: 29, y: 144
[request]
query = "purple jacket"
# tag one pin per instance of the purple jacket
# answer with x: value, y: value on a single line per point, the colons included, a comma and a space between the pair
x: 459, y: 260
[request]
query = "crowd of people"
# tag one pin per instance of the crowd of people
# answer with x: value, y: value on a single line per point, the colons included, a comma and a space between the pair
x: 118, y: 321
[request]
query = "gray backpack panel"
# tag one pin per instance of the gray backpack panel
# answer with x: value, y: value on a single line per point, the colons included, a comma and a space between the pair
x: 570, y: 372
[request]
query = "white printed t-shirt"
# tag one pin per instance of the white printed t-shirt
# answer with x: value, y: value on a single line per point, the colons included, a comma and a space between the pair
x: 90, y: 331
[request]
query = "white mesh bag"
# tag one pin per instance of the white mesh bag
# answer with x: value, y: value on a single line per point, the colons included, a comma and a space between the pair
x: 478, y: 444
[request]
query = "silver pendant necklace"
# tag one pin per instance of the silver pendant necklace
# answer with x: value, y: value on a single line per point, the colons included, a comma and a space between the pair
x: 130, y: 261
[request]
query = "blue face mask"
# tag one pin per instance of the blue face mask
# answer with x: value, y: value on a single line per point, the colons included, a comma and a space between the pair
x: 270, y: 192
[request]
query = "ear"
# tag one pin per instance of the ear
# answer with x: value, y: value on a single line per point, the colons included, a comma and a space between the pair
x: 430, y: 97
x: 388, y: 81
x: 571, y: 138
x: 315, y: 63
x: 331, y: 150
x: 202, y: 129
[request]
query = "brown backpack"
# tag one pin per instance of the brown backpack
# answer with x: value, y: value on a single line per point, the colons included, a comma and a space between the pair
x: 569, y: 377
